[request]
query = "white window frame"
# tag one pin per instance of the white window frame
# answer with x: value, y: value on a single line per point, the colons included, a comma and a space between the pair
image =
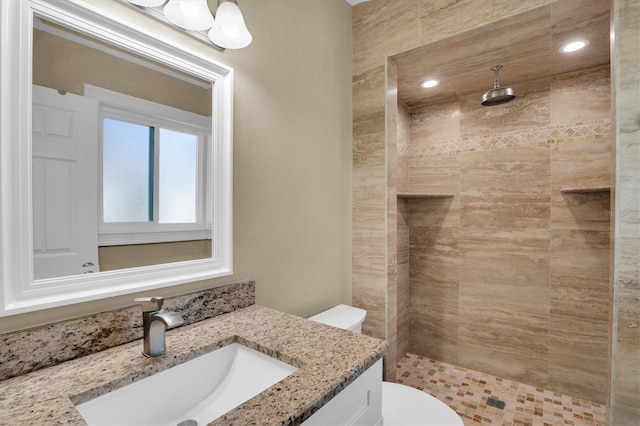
x: 19, y: 291
x: 128, y: 108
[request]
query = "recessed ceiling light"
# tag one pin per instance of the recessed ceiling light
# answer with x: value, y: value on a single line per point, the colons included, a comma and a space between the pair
x: 574, y: 46
x: 429, y: 83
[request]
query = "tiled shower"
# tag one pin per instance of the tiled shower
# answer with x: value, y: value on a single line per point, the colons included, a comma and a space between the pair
x: 498, y: 218
x: 504, y: 259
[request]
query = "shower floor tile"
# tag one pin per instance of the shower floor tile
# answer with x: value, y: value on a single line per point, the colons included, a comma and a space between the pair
x: 481, y: 398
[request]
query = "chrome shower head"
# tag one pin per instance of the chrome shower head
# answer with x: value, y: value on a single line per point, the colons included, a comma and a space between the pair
x: 498, y: 95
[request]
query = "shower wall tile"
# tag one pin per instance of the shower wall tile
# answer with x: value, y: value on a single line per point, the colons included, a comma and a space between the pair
x: 368, y: 19
x: 437, y: 123
x: 369, y: 99
x: 516, y: 262
x: 581, y: 96
x: 393, y: 180
x: 434, y: 263
x: 404, y: 127
x: 529, y: 109
x: 537, y: 136
x: 582, y: 162
x: 503, y: 333
x: 505, y: 189
x: 439, y: 19
x: 564, y: 24
x: 519, y: 172
x: 403, y: 278
x: 578, y: 353
x: 404, y: 140
x: 435, y: 212
x: 369, y: 273
x: 435, y: 174
x: 580, y: 274
x: 382, y: 28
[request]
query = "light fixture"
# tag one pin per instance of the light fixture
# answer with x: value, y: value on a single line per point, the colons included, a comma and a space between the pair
x: 189, y: 14
x: 229, y: 30
x: 427, y: 84
x: 147, y: 3
x: 574, y: 46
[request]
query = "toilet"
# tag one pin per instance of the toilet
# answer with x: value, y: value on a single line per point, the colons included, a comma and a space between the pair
x: 401, y: 405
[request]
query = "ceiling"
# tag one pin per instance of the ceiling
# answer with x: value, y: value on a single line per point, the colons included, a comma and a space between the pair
x: 527, y: 45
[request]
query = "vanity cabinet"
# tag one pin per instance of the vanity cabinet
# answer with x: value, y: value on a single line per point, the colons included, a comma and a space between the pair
x: 360, y: 403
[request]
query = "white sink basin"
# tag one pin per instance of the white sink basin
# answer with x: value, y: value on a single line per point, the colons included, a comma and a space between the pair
x: 199, y: 390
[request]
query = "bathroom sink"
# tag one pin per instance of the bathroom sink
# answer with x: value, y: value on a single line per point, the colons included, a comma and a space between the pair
x: 193, y: 393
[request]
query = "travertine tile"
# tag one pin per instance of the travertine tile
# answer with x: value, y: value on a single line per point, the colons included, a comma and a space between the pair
x: 581, y: 96
x: 437, y: 337
x: 590, y: 211
x: 579, y: 296
x: 516, y: 261
x: 434, y: 212
x: 368, y: 20
x: 530, y: 108
x: 503, y: 333
x: 369, y: 94
x: 567, y: 25
x: 435, y: 174
x: 580, y: 253
x: 434, y: 262
x: 519, y: 172
x: 404, y: 143
x: 578, y: 357
x: 442, y: 18
x: 437, y: 123
x: 433, y: 255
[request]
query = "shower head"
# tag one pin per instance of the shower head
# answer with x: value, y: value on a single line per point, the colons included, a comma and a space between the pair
x: 498, y: 95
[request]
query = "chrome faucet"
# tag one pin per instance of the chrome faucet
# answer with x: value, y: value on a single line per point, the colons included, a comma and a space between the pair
x: 155, y: 321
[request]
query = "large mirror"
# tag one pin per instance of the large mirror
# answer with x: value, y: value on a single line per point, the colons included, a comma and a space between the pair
x: 116, y: 167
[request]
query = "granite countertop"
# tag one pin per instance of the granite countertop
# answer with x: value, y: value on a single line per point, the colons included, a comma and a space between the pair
x: 328, y: 359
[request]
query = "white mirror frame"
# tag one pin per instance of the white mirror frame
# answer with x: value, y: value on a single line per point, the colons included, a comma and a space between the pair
x: 19, y: 292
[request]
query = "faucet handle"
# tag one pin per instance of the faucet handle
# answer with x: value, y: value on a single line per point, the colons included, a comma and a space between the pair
x: 150, y: 304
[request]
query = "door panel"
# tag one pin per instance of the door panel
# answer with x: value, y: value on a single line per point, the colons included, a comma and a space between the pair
x: 65, y: 183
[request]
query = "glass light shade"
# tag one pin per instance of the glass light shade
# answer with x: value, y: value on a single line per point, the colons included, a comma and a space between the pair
x: 189, y: 14
x: 147, y: 3
x: 229, y: 30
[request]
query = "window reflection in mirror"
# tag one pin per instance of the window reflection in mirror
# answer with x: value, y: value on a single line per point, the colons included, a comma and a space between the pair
x: 114, y: 186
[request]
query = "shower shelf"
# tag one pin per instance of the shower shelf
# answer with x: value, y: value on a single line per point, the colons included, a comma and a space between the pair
x: 412, y: 195
x: 586, y: 190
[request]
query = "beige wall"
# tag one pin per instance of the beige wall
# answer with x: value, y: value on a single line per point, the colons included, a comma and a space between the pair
x: 66, y: 65
x: 510, y: 276
x: 135, y: 255
x: 292, y: 158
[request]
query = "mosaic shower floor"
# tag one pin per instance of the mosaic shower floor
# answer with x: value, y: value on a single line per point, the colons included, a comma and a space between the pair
x: 480, y: 398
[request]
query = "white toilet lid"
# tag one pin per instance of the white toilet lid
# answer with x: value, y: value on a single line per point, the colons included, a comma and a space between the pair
x: 341, y: 316
x: 404, y: 405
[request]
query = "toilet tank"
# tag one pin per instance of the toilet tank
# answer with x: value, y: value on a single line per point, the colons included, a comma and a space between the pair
x: 342, y: 316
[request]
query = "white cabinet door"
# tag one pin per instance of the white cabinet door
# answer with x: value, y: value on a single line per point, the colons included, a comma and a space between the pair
x: 360, y: 403
x: 65, y: 184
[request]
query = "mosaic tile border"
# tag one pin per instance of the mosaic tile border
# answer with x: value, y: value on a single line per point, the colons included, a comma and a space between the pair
x: 534, y: 136
x: 28, y: 350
